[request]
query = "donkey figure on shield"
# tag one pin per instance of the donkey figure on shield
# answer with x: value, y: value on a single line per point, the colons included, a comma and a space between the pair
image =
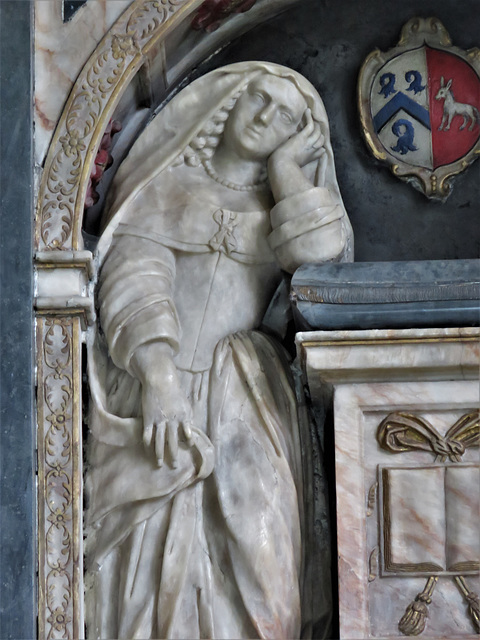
x: 452, y: 108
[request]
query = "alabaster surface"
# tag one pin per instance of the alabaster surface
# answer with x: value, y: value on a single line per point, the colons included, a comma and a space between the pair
x: 195, y: 487
x: 403, y: 516
x: 61, y: 50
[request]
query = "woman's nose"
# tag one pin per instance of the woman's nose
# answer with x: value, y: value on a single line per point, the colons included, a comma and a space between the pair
x: 265, y: 115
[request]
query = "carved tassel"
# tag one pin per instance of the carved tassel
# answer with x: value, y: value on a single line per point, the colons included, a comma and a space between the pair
x: 415, y: 617
x: 473, y: 601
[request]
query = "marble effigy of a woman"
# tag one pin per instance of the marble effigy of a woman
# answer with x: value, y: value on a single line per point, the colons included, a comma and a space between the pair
x: 194, y: 476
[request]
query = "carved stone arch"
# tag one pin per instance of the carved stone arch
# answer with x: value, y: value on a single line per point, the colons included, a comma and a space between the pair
x: 136, y: 36
x: 90, y: 105
x: 64, y: 271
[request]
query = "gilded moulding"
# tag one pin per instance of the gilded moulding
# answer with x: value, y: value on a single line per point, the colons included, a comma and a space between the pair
x: 419, y: 107
x: 60, y: 595
x: 90, y: 106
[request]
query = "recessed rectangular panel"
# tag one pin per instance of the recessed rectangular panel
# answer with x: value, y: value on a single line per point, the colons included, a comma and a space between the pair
x: 462, y: 498
x: 414, y: 529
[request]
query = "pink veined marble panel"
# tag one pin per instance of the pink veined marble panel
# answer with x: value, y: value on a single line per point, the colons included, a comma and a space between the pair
x: 433, y: 512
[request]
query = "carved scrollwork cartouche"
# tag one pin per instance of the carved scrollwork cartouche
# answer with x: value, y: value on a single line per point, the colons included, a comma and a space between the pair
x: 372, y: 496
x: 87, y: 112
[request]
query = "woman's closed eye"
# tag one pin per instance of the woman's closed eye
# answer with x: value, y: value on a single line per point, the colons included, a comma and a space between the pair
x: 259, y: 98
x: 286, y: 117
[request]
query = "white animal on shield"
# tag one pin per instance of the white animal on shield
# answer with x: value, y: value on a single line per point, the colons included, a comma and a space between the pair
x: 452, y: 108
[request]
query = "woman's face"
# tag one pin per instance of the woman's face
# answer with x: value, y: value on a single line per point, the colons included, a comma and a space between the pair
x: 267, y: 113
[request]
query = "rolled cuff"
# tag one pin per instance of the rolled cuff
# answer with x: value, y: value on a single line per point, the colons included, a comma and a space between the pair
x: 303, y: 224
x: 299, y: 204
x: 325, y: 244
x: 156, y: 323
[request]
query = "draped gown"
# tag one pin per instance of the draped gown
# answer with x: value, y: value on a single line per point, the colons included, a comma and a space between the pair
x: 211, y: 548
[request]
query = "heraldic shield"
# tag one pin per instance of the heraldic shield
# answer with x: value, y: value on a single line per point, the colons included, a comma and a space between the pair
x: 420, y: 106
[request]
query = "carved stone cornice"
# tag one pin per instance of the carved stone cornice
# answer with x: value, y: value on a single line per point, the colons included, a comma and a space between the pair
x: 63, y: 285
x: 91, y: 104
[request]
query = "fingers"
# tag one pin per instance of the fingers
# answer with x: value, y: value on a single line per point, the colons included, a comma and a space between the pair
x: 166, y: 438
x: 312, y: 136
x: 316, y: 138
x: 309, y: 123
x: 308, y: 117
x: 173, y: 442
x: 147, y: 433
x: 187, y: 429
x: 160, y: 443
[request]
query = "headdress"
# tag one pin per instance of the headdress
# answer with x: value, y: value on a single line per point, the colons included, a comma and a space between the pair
x: 175, y: 126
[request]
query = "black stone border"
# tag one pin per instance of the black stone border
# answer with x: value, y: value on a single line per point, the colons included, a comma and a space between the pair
x: 18, y: 599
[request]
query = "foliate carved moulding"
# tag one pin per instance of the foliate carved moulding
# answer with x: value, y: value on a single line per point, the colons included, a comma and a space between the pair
x: 419, y: 106
x: 59, y: 479
x: 88, y: 111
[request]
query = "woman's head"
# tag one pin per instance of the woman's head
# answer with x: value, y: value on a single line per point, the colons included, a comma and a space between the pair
x: 190, y: 127
x: 266, y: 114
x: 254, y: 122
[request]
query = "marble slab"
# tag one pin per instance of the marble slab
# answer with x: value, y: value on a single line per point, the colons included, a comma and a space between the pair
x: 399, y: 354
x: 407, y: 521
x: 18, y: 597
x: 375, y: 295
x: 61, y: 50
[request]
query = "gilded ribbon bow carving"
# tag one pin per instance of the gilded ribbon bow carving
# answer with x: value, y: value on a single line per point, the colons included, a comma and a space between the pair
x: 400, y: 432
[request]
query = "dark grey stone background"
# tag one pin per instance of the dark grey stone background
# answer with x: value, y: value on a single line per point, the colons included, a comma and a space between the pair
x: 327, y: 41
x: 70, y: 8
x: 17, y: 435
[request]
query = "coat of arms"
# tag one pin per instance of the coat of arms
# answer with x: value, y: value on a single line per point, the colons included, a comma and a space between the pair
x: 420, y: 106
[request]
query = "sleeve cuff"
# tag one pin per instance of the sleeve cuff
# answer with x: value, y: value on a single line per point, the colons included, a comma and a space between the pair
x: 299, y: 204
x: 303, y: 224
x: 156, y: 323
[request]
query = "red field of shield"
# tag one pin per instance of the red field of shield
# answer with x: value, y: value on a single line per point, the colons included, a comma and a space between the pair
x: 452, y: 144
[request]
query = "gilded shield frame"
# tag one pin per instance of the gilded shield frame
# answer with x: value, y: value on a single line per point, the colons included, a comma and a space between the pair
x: 436, y: 183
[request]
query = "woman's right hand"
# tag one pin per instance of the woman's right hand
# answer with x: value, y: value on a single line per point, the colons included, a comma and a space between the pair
x: 167, y: 412
x: 285, y: 163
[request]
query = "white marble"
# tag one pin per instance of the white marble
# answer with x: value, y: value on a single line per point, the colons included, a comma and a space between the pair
x: 194, y: 481
x: 400, y: 354
x: 62, y: 284
x: 61, y: 50
x: 366, y: 389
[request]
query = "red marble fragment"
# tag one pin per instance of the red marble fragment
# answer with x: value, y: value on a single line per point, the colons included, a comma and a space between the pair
x: 212, y: 12
x: 103, y: 160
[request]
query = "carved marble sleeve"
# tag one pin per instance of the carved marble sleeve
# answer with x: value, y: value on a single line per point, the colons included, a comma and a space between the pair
x: 310, y: 226
x: 136, y: 304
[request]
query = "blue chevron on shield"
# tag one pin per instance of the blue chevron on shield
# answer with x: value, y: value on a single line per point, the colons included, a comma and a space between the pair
x: 399, y: 103
x: 419, y: 105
